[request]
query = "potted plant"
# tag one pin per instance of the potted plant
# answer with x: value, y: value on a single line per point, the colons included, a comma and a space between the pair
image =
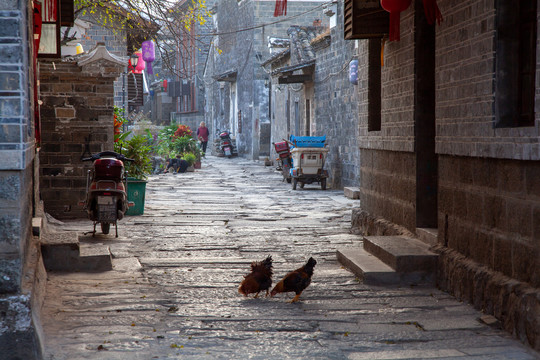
x: 137, y: 148
x: 190, y: 158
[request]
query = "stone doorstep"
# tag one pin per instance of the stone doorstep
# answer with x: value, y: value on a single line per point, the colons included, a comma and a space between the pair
x: 61, y: 251
x: 428, y: 235
x: 367, y: 267
x: 402, y: 254
x: 95, y: 258
x: 373, y: 271
x: 352, y: 192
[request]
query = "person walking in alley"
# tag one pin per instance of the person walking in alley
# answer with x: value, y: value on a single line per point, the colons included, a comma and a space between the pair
x: 202, y: 135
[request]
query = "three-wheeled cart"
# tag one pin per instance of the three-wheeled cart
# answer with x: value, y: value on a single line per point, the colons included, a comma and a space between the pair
x: 308, y: 157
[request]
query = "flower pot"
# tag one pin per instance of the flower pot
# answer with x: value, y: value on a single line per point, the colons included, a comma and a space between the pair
x: 197, y: 164
x: 136, y: 191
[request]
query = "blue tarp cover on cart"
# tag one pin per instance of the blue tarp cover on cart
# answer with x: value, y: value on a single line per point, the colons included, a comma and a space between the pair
x: 308, y: 141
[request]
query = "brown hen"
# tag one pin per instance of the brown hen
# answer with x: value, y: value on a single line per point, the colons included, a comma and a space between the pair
x: 259, y: 279
x: 296, y: 280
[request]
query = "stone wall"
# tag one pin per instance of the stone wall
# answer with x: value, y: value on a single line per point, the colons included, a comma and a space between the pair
x: 18, y: 338
x: 489, y: 204
x: 387, y: 161
x: 116, y: 43
x: 387, y: 189
x: 489, y: 211
x: 397, y: 92
x: 77, y: 120
x: 17, y: 147
x: 465, y: 63
x: 336, y: 106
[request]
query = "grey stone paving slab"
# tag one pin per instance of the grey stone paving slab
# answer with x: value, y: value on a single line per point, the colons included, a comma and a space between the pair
x: 173, y: 290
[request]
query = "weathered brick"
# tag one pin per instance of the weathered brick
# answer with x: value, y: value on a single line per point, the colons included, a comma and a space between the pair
x: 502, y: 261
x: 62, y: 88
x: 495, y: 212
x: 532, y: 179
x: 511, y: 177
x: 65, y: 112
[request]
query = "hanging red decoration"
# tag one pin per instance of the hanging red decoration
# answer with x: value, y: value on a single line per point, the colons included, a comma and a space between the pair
x: 281, y: 8
x: 395, y: 7
x: 432, y: 12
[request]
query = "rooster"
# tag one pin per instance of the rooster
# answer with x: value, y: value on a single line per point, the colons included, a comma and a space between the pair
x: 259, y: 279
x: 296, y: 280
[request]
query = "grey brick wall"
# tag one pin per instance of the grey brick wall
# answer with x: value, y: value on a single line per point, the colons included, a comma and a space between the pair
x: 17, y: 156
x: 336, y: 107
x: 16, y: 144
x: 77, y: 119
x: 465, y: 88
x: 115, y: 42
x: 397, y: 98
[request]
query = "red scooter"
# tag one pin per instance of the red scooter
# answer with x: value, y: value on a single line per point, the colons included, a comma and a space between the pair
x: 284, y: 160
x: 226, y: 143
x: 106, y: 190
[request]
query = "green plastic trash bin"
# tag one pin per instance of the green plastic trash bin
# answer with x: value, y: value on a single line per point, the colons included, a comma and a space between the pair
x: 136, y: 190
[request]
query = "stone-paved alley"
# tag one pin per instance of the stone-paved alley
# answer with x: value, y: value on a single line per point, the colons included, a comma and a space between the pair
x: 173, y: 290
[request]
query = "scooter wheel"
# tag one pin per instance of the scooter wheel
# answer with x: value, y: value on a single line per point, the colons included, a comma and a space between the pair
x: 294, y: 183
x: 105, y: 227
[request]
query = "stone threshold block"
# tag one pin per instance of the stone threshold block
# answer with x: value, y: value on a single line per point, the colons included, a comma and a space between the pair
x: 62, y: 251
x: 352, y: 192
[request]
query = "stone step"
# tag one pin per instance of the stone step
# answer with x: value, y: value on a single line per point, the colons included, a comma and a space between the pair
x: 403, y: 254
x: 62, y: 251
x: 428, y: 235
x: 95, y: 257
x: 367, y: 267
x: 351, y: 192
x: 372, y: 271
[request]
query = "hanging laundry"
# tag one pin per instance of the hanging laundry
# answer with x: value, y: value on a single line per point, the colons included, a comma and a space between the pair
x: 281, y: 8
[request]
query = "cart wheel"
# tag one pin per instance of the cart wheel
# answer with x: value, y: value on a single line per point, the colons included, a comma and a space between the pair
x: 323, y: 184
x: 294, y: 182
x: 105, y: 227
x: 289, y: 180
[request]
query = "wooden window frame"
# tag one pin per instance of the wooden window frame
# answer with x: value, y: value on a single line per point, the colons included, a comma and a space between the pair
x: 515, y: 43
x: 374, y: 84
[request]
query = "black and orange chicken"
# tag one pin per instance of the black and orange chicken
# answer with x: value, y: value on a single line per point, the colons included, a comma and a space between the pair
x: 296, y: 280
x: 259, y: 279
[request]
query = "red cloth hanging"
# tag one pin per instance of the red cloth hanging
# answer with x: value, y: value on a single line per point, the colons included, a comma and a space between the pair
x: 281, y: 8
x: 432, y: 12
x: 395, y: 7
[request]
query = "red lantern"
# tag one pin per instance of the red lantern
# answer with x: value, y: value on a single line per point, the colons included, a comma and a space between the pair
x: 432, y: 12
x: 395, y: 7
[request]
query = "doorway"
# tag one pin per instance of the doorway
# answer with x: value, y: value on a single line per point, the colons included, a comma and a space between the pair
x: 424, y: 118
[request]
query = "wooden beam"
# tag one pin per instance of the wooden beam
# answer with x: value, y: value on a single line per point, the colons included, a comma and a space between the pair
x: 293, y: 79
